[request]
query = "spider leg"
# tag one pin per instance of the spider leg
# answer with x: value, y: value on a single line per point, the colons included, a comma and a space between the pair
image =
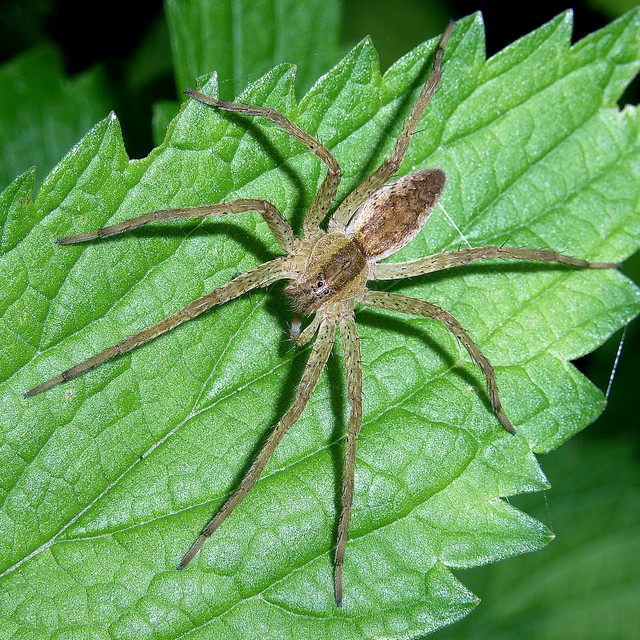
x: 327, y: 192
x: 316, y: 363
x: 389, y: 167
x: 405, y: 304
x: 280, y: 228
x: 448, y: 259
x: 353, y: 365
x: 261, y: 276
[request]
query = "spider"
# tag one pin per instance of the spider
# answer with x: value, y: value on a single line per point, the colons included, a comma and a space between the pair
x: 327, y: 273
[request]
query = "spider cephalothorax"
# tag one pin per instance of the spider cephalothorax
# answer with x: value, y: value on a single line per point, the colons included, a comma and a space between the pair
x: 327, y: 274
x: 335, y: 270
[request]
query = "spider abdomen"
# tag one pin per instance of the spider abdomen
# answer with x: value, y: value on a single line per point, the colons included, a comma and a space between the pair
x: 395, y: 213
x: 336, y: 270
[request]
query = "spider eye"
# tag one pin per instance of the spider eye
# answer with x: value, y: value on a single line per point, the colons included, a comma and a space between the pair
x: 322, y: 288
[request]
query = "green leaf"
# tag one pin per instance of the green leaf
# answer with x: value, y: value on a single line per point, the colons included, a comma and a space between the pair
x: 612, y: 8
x: 240, y: 43
x: 577, y: 587
x: 42, y: 113
x: 107, y: 479
x: 245, y: 40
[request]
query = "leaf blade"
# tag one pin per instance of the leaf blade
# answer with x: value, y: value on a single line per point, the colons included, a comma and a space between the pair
x: 129, y: 521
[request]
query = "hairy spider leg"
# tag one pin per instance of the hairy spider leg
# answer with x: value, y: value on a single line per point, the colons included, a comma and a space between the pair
x: 315, y: 365
x: 278, y: 225
x: 416, y: 307
x: 353, y: 367
x: 324, y: 197
x: 261, y: 276
x: 448, y: 259
x: 388, y: 168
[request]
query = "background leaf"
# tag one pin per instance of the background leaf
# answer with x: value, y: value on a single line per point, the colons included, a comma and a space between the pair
x: 580, y: 582
x: 59, y: 111
x: 94, y: 532
x: 245, y: 40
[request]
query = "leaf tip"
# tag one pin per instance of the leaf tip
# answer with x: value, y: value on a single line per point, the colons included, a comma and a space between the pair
x: 476, y: 18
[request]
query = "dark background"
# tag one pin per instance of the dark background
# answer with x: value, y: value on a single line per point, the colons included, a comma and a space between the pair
x: 84, y: 31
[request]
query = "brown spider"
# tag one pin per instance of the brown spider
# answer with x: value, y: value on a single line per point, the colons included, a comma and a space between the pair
x: 328, y: 273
